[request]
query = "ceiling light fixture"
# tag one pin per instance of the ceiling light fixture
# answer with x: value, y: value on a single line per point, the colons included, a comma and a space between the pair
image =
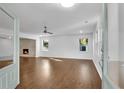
x: 81, y: 31
x: 67, y: 4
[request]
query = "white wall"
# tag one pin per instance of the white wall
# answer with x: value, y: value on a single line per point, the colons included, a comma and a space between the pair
x: 121, y: 44
x: 28, y: 44
x: 38, y: 47
x: 6, y: 49
x: 113, y: 43
x: 67, y: 46
x: 113, y: 32
x: 6, y: 45
x: 121, y: 32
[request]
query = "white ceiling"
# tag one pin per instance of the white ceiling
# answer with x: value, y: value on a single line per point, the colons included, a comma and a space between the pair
x: 57, y: 18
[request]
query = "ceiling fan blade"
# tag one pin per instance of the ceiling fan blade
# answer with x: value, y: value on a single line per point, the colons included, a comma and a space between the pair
x: 45, y: 30
x: 50, y: 32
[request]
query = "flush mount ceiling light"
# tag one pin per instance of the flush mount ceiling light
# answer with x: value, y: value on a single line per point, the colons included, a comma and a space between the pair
x: 81, y: 31
x: 68, y: 4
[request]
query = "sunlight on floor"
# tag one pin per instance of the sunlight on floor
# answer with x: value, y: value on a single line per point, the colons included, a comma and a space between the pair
x: 56, y: 59
x: 45, y: 68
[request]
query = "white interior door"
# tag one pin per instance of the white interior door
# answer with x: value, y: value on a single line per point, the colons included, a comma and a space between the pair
x: 9, y: 75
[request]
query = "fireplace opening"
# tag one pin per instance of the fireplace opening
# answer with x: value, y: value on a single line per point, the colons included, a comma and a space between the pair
x: 25, y: 51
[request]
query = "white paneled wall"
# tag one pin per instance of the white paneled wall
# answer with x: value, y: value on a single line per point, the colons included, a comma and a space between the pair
x: 8, y: 77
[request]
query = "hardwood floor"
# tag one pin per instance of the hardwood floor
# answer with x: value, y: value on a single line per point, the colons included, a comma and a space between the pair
x: 43, y: 73
x: 5, y: 63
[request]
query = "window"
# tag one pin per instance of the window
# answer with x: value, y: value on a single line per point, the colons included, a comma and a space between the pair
x: 83, y: 44
x: 44, y: 45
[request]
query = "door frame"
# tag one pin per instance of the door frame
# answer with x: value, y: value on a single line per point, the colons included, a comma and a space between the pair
x: 106, y: 81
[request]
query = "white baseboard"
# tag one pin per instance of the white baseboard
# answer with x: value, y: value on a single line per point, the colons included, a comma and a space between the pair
x: 26, y: 56
x: 67, y: 57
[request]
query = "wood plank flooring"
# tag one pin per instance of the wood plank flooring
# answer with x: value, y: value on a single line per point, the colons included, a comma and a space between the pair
x: 45, y: 73
x: 5, y: 63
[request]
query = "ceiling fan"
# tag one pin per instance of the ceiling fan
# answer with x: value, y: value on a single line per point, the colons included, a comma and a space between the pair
x: 45, y: 30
